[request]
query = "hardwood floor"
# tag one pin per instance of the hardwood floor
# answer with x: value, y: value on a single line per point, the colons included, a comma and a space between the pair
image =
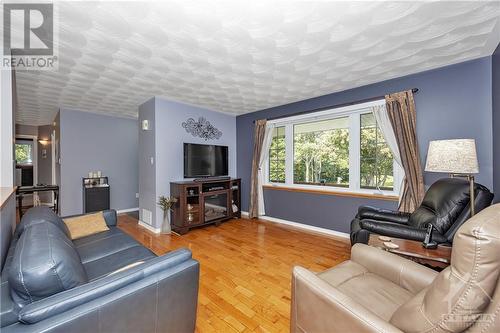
x: 245, y: 269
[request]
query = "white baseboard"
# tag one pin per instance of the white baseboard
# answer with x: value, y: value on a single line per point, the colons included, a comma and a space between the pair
x: 301, y: 226
x: 128, y: 210
x: 149, y: 227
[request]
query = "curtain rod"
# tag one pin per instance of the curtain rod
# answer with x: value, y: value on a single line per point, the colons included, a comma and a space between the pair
x: 413, y: 90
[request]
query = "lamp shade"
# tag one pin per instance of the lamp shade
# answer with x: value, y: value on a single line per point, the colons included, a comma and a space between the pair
x: 452, y: 156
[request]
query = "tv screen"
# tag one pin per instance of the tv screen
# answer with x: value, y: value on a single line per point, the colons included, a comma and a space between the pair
x: 205, y: 160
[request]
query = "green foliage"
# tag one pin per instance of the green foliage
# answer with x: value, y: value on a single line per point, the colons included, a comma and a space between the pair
x: 376, y: 157
x: 277, y: 156
x: 322, y: 156
x: 23, y: 153
x: 166, y: 203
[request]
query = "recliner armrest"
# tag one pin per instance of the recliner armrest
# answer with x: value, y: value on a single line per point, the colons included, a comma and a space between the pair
x: 368, y: 212
x: 400, y: 231
x: 403, y: 272
x: 64, y: 301
x: 320, y: 307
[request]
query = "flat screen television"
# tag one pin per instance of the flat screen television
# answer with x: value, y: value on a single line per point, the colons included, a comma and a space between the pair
x: 205, y: 160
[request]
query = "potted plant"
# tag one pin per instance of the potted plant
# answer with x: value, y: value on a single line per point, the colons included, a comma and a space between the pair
x: 166, y: 204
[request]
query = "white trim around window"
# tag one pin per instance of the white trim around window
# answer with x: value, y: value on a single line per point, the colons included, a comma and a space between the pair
x: 353, y: 112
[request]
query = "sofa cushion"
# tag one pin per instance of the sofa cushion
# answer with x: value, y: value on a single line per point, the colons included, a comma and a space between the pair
x: 8, y: 259
x: 110, y: 263
x: 86, y: 225
x: 375, y: 293
x: 8, y: 310
x: 44, y: 263
x: 102, y: 244
x: 37, y: 215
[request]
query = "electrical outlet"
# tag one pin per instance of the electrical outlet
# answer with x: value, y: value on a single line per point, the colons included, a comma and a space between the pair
x: 137, y: 195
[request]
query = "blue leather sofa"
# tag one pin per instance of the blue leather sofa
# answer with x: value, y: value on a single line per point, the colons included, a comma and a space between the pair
x: 106, y: 282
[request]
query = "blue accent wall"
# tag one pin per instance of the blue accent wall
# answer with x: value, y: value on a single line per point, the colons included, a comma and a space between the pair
x: 452, y: 102
x: 496, y: 122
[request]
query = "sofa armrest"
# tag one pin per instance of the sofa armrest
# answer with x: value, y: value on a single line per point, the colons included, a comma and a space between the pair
x: 400, y: 231
x: 109, y: 217
x: 403, y: 272
x: 319, y: 307
x: 368, y: 212
x: 64, y: 301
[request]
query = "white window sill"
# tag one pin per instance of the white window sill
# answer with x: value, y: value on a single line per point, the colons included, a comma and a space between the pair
x: 330, y: 190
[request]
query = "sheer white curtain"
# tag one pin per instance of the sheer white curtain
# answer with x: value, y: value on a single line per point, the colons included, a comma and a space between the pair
x: 384, y: 123
x: 268, y: 138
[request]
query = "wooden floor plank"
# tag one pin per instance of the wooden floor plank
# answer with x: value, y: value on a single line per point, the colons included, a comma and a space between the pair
x: 246, y: 266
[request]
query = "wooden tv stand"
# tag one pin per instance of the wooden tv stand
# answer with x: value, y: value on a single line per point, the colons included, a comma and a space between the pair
x: 204, y: 202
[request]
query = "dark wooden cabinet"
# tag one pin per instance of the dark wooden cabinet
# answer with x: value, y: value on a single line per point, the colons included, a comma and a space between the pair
x: 95, y: 194
x: 204, y: 202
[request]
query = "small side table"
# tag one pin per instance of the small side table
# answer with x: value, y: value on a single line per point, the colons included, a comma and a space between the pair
x: 436, y: 258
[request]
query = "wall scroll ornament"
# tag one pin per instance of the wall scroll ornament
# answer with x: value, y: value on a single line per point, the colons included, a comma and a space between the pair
x: 201, y: 128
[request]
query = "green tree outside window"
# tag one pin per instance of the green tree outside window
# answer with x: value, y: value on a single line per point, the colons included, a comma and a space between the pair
x: 23, y: 153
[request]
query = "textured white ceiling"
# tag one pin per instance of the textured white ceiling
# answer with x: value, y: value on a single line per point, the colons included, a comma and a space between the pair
x: 239, y: 57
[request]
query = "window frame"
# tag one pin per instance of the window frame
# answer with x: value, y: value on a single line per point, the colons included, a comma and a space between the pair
x: 354, y: 113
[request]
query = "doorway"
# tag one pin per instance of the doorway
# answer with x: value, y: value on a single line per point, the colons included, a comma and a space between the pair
x: 26, y: 157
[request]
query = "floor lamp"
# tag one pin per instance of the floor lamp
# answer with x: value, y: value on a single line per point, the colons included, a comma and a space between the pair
x: 456, y: 157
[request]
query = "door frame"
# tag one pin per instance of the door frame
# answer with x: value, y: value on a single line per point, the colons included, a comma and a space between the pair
x: 53, y: 161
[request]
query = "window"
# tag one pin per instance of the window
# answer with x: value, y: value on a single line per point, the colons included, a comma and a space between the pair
x: 377, y: 162
x: 321, y: 152
x: 277, y: 156
x: 340, y: 148
x: 24, y: 154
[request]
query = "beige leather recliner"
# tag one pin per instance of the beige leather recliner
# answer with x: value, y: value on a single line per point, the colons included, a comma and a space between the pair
x: 377, y: 291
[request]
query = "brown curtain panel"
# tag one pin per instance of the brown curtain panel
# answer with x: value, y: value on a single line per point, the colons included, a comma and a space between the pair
x: 258, y: 141
x: 403, y: 117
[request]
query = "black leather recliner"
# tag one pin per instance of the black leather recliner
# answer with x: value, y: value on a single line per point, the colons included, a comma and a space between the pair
x: 446, y: 205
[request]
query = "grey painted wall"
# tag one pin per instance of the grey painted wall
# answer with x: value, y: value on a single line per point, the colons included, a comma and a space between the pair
x: 147, y: 170
x: 91, y: 142
x: 452, y: 102
x: 496, y: 122
x: 7, y: 224
x: 168, y: 146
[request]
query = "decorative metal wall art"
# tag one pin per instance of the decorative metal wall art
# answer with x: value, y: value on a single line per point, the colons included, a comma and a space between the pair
x: 202, y: 128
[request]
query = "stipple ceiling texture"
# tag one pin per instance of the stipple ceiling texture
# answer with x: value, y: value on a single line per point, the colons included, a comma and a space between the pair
x: 239, y: 57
